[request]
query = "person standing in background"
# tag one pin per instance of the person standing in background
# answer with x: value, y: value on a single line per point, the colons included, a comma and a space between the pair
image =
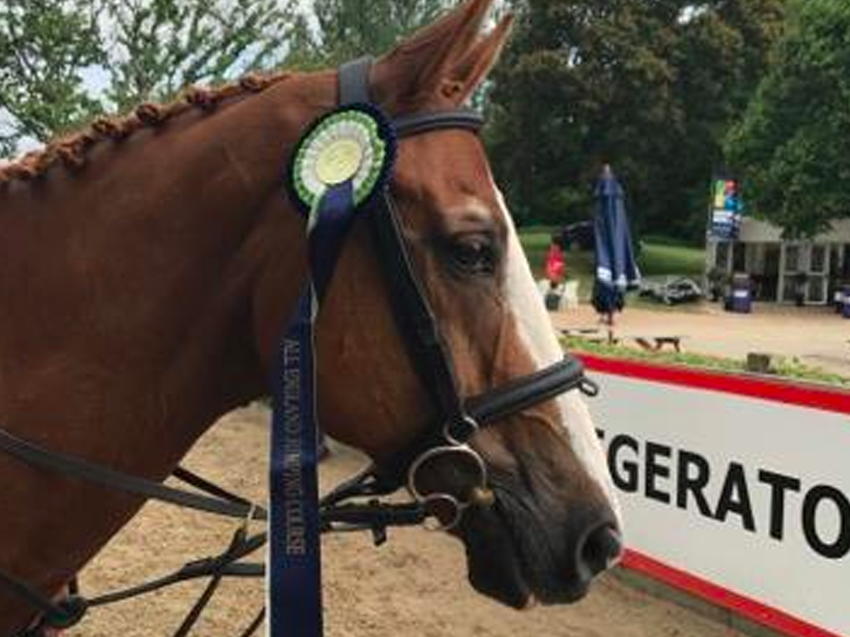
x: 555, y: 265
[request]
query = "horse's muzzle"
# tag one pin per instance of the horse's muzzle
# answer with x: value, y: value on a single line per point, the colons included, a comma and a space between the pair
x: 519, y: 551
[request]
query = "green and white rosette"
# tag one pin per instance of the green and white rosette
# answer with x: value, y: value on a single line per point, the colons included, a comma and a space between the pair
x: 349, y: 149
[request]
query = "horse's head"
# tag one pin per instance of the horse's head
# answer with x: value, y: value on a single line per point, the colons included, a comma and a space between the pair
x: 554, y: 525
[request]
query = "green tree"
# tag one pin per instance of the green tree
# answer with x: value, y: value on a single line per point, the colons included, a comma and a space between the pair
x: 45, y: 46
x: 793, y: 146
x: 351, y: 28
x: 157, y: 47
x: 140, y: 49
x: 650, y: 87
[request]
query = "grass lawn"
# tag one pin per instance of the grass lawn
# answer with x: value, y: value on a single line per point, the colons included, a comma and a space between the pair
x: 784, y: 367
x: 660, y: 259
x: 659, y: 256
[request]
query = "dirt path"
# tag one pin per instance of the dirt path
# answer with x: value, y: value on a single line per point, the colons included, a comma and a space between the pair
x: 817, y: 336
x: 414, y: 585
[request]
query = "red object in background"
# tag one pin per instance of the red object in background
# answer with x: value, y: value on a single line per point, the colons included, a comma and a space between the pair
x: 555, y: 264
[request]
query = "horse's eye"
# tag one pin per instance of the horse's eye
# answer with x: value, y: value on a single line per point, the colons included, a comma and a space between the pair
x: 473, y: 255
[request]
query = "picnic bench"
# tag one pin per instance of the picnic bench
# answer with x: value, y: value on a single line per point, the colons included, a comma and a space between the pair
x: 657, y: 343
x: 649, y: 343
x: 581, y: 331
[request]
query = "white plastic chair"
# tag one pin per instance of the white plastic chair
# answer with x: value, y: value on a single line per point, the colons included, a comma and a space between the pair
x: 566, y: 291
x: 569, y: 295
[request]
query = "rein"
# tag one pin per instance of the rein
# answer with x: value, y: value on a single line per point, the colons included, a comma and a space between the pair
x: 354, y: 505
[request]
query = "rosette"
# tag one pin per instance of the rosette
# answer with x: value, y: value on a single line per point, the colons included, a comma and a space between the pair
x: 349, y: 149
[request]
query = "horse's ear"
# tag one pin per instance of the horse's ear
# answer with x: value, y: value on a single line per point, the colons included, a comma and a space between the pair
x: 410, y: 76
x: 468, y: 74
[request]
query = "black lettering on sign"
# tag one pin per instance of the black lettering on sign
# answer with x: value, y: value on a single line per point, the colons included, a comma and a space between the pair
x: 650, y: 466
x: 735, y: 497
x: 629, y: 481
x: 654, y: 470
x: 694, y: 473
x: 841, y: 545
x: 779, y: 484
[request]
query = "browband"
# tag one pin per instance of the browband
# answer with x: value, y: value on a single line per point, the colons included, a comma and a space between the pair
x: 466, y: 118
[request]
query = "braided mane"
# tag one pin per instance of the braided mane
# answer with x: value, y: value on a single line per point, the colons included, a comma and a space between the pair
x: 72, y: 150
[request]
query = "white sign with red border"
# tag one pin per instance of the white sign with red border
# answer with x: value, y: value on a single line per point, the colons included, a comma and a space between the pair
x: 733, y: 488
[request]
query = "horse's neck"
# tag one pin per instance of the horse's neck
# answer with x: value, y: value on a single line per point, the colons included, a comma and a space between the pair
x: 126, y: 323
x: 119, y: 284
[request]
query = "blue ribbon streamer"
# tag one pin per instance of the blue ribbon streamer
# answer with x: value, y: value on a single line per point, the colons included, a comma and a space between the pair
x: 328, y: 232
x: 295, y: 584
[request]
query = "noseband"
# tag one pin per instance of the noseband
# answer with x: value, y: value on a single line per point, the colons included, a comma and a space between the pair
x: 355, y: 504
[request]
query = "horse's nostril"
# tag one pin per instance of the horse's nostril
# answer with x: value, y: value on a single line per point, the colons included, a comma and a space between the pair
x: 600, y: 549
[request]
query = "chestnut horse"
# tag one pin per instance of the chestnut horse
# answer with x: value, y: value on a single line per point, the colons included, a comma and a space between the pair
x: 149, y: 265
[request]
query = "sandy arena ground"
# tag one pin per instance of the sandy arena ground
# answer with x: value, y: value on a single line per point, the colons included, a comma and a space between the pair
x: 817, y: 336
x: 414, y: 585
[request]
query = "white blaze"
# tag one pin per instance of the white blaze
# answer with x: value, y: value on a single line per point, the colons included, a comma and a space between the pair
x: 537, y: 333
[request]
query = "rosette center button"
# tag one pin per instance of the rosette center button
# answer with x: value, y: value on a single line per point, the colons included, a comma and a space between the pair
x: 339, y: 162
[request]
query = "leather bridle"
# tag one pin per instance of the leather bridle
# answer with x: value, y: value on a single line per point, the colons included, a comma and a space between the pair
x: 355, y: 504
x: 457, y: 419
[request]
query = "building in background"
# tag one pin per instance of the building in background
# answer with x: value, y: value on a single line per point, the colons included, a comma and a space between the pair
x: 810, y: 271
